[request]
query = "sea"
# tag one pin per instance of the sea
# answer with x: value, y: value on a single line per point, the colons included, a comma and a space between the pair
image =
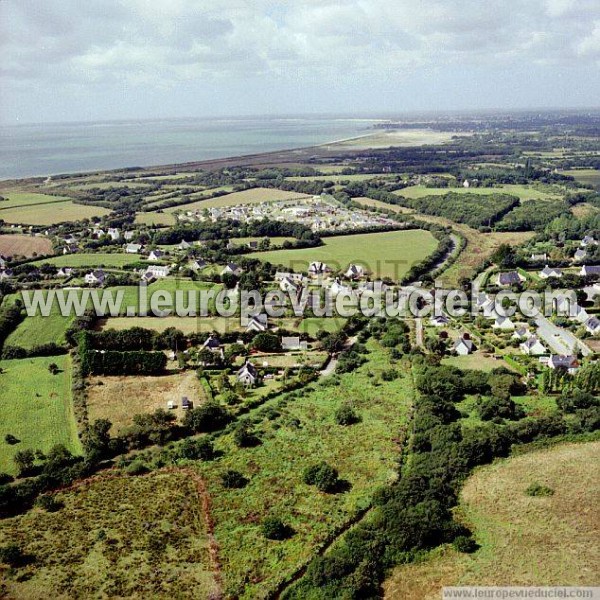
x: 51, y: 149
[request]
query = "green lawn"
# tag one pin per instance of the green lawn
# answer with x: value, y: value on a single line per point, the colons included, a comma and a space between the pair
x: 386, y: 254
x: 365, y: 455
x: 524, y: 192
x: 36, y: 407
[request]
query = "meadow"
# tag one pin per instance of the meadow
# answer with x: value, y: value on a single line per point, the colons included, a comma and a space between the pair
x: 82, y: 259
x: 154, y: 218
x: 117, y: 537
x: 299, y: 433
x: 36, y: 407
x: 51, y: 213
x: 19, y: 199
x: 524, y: 540
x: 387, y: 254
x: 587, y: 176
x: 523, y: 192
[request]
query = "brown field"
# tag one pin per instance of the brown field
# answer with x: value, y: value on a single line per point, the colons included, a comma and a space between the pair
x: 524, y: 540
x: 398, y: 137
x: 478, y: 248
x: 583, y: 210
x: 119, y: 398
x: 24, y: 245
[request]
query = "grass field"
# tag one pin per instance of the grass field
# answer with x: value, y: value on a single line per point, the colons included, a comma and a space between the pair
x: 479, y: 247
x: 24, y: 245
x: 154, y: 218
x: 35, y: 407
x: 50, y: 214
x: 365, y: 455
x: 523, y: 192
x: 79, y: 260
x: 38, y: 330
x: 477, y: 361
x: 118, y: 399
x: 340, y: 178
x: 588, y: 176
x: 186, y: 324
x: 524, y: 540
x: 119, y: 537
x: 18, y: 199
x: 387, y: 254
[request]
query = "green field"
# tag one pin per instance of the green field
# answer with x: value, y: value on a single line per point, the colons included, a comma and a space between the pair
x: 365, y: 455
x: 340, y: 178
x: 118, y: 537
x: 82, y: 259
x: 154, y: 218
x: 523, y: 192
x: 587, y: 176
x: 386, y: 254
x: 36, y: 407
x: 52, y: 213
x: 16, y: 199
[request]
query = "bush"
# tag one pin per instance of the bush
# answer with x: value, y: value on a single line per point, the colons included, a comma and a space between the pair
x: 201, y: 449
x: 576, y: 400
x: 49, y: 503
x: 537, y: 489
x: 6, y: 478
x: 233, y: 480
x: 499, y: 408
x: 465, y: 544
x: 12, y: 555
x: 206, y: 418
x: 345, y: 415
x: 389, y: 374
x: 244, y: 437
x: 10, y: 439
x: 137, y: 467
x: 323, y: 476
x: 275, y: 529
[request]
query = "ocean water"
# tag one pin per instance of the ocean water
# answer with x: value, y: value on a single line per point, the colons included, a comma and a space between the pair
x: 50, y: 149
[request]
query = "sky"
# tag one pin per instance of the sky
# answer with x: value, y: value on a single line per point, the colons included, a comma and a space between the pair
x: 74, y: 60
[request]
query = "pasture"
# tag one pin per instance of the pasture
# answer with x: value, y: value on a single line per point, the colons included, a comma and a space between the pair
x: 159, y: 219
x: 118, y: 537
x: 525, y: 541
x: 51, y: 213
x: 586, y: 176
x: 82, y: 259
x: 24, y: 245
x: 19, y: 199
x: 186, y: 324
x: 36, y: 407
x: 523, y: 192
x: 303, y: 432
x: 118, y: 398
x: 386, y: 254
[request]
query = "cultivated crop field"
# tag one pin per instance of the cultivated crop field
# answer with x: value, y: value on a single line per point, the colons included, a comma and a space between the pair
x: 524, y: 540
x: 24, y: 245
x: 386, y: 254
x: 36, y: 407
x: 117, y: 537
x: 51, y: 213
x: 305, y: 432
x: 119, y: 398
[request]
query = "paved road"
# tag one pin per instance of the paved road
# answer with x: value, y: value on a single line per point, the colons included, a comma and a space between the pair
x: 559, y: 340
x: 419, y: 332
x: 333, y: 361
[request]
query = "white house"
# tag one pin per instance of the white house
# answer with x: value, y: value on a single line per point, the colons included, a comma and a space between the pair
x: 64, y: 272
x: 509, y: 278
x: 586, y: 271
x: 232, y: 269
x: 133, y: 248
x: 439, y: 321
x: 504, y: 323
x: 580, y: 254
x: 128, y: 236
x: 547, y: 272
x: 197, y: 265
x: 257, y: 323
x: 293, y: 343
x: 318, y: 268
x: 113, y: 233
x: 533, y: 347
x: 247, y: 375
x: 211, y: 343
x: 96, y: 277
x: 588, y: 240
x: 6, y: 274
x: 593, y: 325
x: 156, y: 271
x: 287, y: 285
x: 521, y: 332
x: 156, y: 255
x: 463, y: 347
x: 355, y: 272
x: 183, y: 245
x: 569, y: 363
